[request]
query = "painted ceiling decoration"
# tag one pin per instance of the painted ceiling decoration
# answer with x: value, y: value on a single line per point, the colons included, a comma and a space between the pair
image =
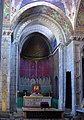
x: 17, y: 2
x: 80, y: 17
x: 6, y: 11
x: 58, y: 16
x: 58, y: 3
x: 76, y: 3
x: 36, y: 47
x: 70, y: 8
x: 67, y: 6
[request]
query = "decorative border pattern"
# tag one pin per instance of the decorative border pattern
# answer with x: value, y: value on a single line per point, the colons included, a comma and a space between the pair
x: 4, y: 75
x: 6, y: 11
x: 47, y: 9
x: 77, y: 38
x: 44, y: 21
x: 80, y: 17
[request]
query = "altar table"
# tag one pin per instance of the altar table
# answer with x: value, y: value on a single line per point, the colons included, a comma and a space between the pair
x: 34, y: 101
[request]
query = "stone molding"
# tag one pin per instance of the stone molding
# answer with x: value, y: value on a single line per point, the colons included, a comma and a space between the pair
x: 77, y: 38
x: 48, y: 9
x: 42, y: 20
x: 6, y: 32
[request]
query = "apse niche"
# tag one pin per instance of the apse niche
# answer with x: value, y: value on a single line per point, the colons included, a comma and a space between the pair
x: 35, y: 64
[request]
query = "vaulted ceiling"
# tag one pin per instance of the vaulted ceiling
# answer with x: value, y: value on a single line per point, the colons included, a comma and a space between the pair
x: 73, y: 9
x: 80, y: 16
x: 36, y: 47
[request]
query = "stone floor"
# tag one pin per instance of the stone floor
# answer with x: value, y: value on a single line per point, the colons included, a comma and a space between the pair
x: 75, y: 118
x: 19, y: 116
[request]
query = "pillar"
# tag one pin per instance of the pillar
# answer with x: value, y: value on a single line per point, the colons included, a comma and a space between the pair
x: 1, y: 20
x: 5, y: 70
x: 61, y: 77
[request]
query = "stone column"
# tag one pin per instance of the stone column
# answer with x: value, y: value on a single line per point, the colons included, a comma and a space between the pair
x: 1, y: 20
x: 53, y: 81
x: 5, y: 70
x: 13, y: 82
x: 71, y: 67
x: 73, y: 80
x: 61, y: 77
x: 65, y: 69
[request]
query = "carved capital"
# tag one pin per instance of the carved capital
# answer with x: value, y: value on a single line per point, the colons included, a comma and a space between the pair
x: 6, y: 32
x: 77, y: 38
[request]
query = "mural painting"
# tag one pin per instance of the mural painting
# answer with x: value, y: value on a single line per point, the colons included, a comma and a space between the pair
x: 18, y: 4
x: 80, y: 19
x: 6, y: 10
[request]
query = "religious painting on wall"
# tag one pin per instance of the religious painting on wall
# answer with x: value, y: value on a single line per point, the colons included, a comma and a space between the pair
x: 36, y: 88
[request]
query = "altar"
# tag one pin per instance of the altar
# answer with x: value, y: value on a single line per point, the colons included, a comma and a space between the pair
x: 34, y: 101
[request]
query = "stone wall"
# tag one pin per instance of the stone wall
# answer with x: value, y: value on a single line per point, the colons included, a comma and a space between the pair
x: 71, y: 68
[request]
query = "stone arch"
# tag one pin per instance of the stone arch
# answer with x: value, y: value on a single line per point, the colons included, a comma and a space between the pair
x: 32, y: 30
x: 42, y: 22
x: 53, y: 24
x: 42, y: 26
x: 54, y: 12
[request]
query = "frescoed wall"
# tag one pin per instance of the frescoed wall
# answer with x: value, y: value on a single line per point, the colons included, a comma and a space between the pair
x: 76, y: 2
x: 17, y: 2
x: 6, y: 11
x: 51, y: 13
x: 67, y: 6
x: 70, y: 8
x: 16, y: 5
x: 80, y: 17
x: 12, y: 8
x: 58, y: 3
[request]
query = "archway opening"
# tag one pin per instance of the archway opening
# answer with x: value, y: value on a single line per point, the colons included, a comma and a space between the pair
x: 36, y: 67
x: 35, y: 64
x: 36, y: 47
